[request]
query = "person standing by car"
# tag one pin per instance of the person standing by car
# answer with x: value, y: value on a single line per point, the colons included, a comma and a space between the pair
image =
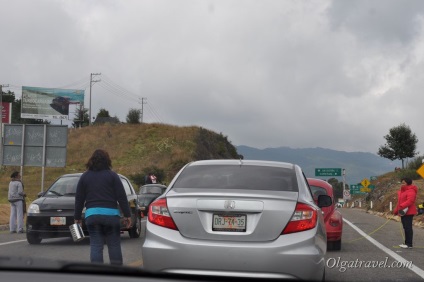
x: 151, y: 178
x: 100, y: 190
x: 405, y: 207
x: 16, y: 197
x: 148, y: 179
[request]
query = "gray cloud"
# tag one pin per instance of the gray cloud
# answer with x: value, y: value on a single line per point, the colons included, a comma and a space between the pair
x: 386, y: 21
x: 332, y: 74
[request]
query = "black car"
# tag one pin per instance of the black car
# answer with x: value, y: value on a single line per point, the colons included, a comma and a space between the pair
x: 50, y: 215
x: 61, y: 104
x: 147, y: 194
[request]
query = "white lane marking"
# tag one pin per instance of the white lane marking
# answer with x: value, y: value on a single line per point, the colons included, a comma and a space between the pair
x: 12, y: 242
x: 394, y: 255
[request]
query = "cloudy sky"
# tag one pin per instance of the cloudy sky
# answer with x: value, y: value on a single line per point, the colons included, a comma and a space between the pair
x: 265, y: 73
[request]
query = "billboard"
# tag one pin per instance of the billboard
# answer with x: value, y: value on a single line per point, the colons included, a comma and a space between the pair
x: 6, y: 112
x: 49, y: 103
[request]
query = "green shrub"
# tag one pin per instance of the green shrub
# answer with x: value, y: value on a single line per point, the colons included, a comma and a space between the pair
x: 415, y: 163
x: 409, y: 173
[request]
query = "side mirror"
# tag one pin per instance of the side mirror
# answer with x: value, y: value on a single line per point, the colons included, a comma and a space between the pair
x: 324, y: 201
x: 40, y: 194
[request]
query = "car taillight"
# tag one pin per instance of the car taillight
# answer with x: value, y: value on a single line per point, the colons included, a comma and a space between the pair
x: 304, y: 218
x: 159, y: 214
x: 335, y: 219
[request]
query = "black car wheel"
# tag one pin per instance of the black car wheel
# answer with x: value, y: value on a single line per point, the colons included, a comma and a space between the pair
x: 135, y: 231
x: 33, y: 238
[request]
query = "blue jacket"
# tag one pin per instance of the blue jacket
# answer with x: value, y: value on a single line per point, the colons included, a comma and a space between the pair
x: 100, y: 189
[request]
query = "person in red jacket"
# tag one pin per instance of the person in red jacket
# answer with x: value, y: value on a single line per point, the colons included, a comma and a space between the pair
x: 406, y: 208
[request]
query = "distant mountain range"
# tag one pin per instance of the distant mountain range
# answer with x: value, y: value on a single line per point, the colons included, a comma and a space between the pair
x: 357, y: 165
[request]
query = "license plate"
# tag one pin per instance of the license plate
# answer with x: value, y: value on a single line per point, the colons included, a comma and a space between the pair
x: 229, y: 223
x: 57, y: 220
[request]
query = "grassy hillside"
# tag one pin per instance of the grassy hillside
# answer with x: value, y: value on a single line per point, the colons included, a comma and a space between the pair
x: 386, y: 187
x: 132, y: 149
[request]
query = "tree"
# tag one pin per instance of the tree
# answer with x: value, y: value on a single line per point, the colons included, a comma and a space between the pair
x: 134, y: 116
x: 415, y: 163
x: 81, y: 118
x: 401, y: 143
x: 337, y: 188
x: 103, y: 113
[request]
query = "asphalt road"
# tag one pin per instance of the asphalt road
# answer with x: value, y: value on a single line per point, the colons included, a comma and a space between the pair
x: 369, y: 251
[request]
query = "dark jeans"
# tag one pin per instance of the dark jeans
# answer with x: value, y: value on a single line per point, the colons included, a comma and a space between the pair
x: 407, y: 227
x: 103, y: 228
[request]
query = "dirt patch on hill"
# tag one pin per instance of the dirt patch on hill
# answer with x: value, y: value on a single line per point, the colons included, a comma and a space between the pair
x: 4, y: 214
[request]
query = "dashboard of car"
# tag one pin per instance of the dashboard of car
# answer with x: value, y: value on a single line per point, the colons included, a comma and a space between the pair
x: 23, y: 269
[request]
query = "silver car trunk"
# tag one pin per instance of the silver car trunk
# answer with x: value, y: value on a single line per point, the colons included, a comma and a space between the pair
x: 236, y: 214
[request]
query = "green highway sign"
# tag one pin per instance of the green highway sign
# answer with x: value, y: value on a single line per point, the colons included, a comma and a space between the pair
x: 359, y: 189
x: 328, y: 172
x: 356, y: 189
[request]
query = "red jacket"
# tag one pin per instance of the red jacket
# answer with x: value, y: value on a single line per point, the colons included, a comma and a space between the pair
x: 406, y: 198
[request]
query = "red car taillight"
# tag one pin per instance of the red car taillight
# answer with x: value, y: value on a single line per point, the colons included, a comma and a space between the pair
x: 335, y: 219
x: 304, y: 218
x: 159, y: 214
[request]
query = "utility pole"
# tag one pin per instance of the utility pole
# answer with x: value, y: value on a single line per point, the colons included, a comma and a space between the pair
x: 91, y: 84
x: 1, y: 122
x: 142, y: 108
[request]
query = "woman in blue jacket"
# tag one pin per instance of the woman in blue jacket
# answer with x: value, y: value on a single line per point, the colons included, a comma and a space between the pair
x: 100, y: 190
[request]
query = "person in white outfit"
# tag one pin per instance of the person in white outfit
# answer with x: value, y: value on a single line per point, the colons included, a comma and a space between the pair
x: 16, y: 198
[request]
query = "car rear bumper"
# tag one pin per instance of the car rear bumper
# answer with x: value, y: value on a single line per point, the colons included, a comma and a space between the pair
x: 334, y: 235
x: 293, y: 256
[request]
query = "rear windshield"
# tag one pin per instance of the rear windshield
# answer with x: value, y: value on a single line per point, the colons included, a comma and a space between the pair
x: 237, y: 177
x: 152, y: 190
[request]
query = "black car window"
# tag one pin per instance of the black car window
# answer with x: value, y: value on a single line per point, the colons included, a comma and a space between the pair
x: 238, y: 177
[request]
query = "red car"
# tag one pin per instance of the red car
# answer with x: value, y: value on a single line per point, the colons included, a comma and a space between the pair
x: 332, y: 216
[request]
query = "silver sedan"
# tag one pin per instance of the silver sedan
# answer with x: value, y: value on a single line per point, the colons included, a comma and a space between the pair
x: 237, y: 218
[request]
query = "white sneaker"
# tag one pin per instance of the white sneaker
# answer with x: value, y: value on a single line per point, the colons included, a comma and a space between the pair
x: 403, y: 246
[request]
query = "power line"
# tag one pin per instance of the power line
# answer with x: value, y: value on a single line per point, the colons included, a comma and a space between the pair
x: 107, y: 84
x: 81, y: 84
x: 154, y: 113
x: 117, y: 90
x: 108, y: 87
